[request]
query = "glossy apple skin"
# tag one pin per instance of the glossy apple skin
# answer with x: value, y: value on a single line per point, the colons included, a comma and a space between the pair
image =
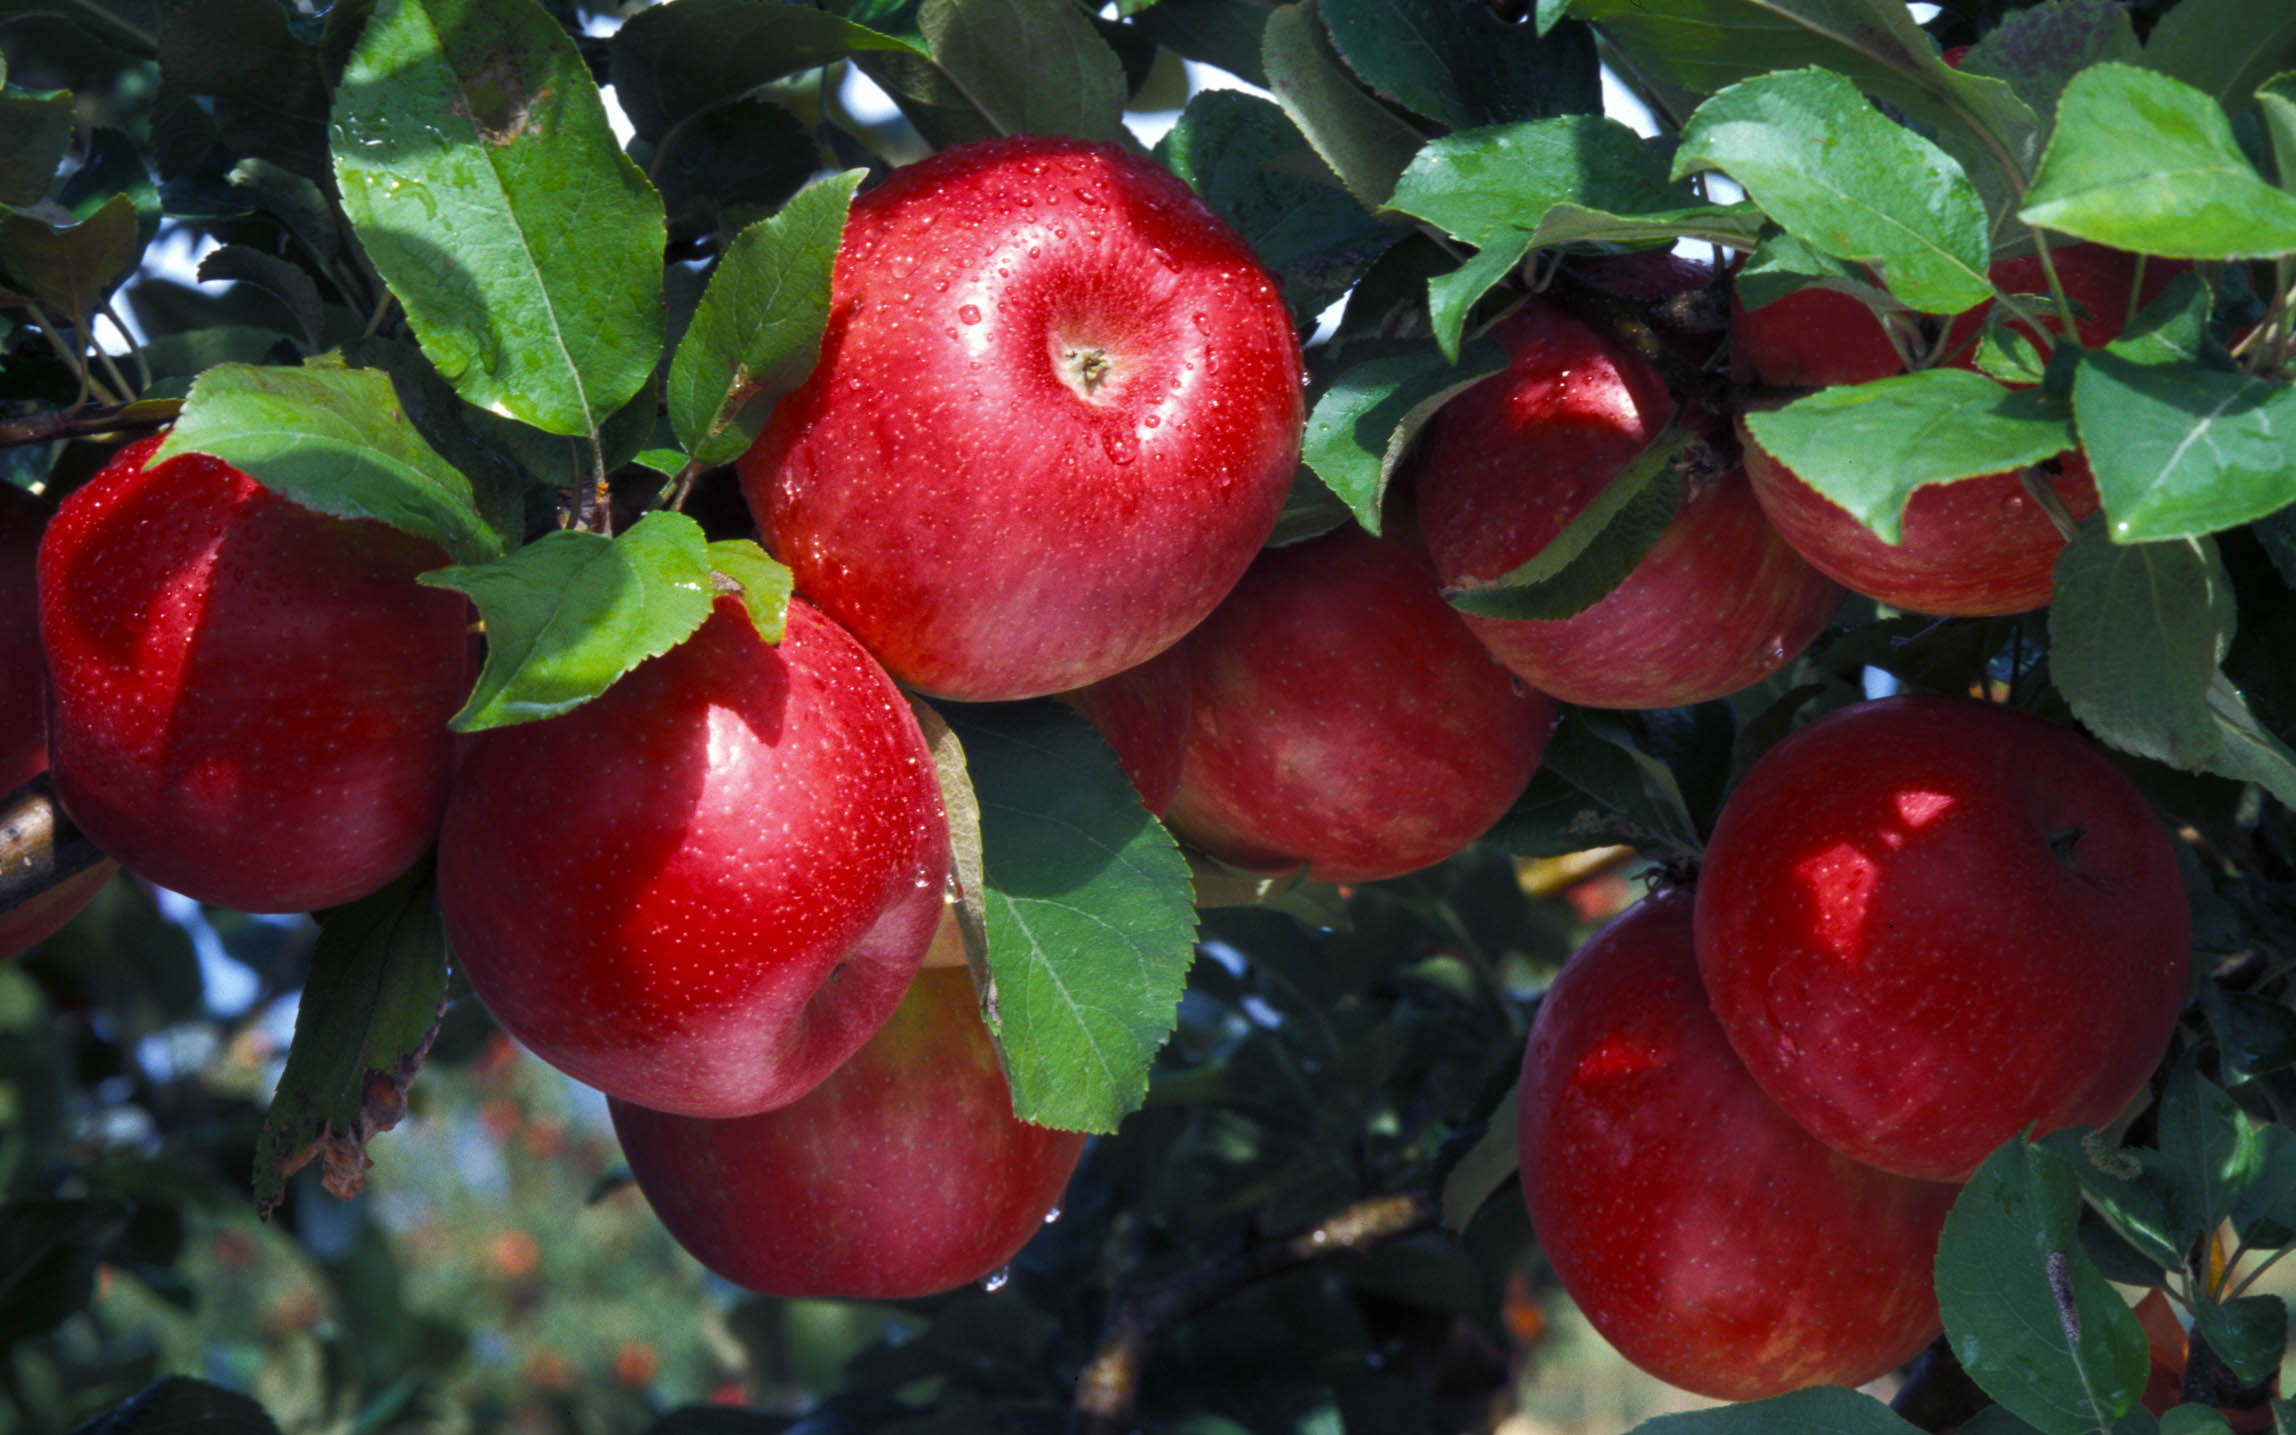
x: 903, y: 1174
x: 1811, y: 339
x: 947, y: 491
x: 23, y: 717
x: 1718, y: 603
x: 1906, y: 963
x: 247, y: 699
x: 1716, y: 1244
x: 1973, y: 548
x: 1332, y: 713
x: 705, y: 888
x: 2100, y: 282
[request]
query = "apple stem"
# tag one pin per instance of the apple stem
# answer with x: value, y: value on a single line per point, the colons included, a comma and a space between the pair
x: 132, y: 419
x: 1139, y: 1316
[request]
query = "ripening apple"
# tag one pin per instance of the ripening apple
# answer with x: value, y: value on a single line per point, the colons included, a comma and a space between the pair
x: 1057, y: 410
x: 248, y: 699
x: 1716, y: 1244
x: 1927, y: 923
x: 1332, y: 713
x: 703, y: 889
x: 902, y: 1174
x: 1976, y: 547
x: 23, y: 722
x: 1720, y: 601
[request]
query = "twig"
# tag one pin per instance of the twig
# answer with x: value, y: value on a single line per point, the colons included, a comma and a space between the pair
x: 1138, y: 1318
x: 134, y: 418
x: 40, y: 848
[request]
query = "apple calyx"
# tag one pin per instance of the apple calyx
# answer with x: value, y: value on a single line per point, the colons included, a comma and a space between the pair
x: 1084, y: 368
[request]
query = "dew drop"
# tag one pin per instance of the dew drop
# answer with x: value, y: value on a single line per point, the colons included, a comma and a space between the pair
x: 1151, y: 421
x: 997, y: 1279
x: 1203, y: 324
x: 970, y: 314
x: 1052, y: 1215
x: 1121, y: 448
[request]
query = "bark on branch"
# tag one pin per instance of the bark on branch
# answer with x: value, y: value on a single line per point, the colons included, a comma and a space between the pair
x: 1138, y: 1318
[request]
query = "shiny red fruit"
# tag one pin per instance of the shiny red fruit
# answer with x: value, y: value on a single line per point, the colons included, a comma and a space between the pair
x: 1057, y: 410
x: 705, y: 888
x: 1715, y: 1243
x: 248, y: 699
x: 1333, y: 713
x: 903, y: 1174
x: 1717, y: 603
x: 1927, y: 923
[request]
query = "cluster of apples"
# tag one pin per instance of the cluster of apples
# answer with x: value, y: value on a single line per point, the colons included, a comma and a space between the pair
x: 1924, y: 926
x: 710, y: 892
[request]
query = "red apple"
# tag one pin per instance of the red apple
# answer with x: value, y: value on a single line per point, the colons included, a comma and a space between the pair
x: 1718, y: 603
x: 1927, y: 923
x: 903, y: 1174
x: 1810, y: 339
x: 1716, y: 1244
x: 705, y: 888
x: 2106, y: 286
x: 1972, y: 548
x: 248, y: 699
x: 1057, y: 410
x: 1332, y: 713
x: 23, y: 680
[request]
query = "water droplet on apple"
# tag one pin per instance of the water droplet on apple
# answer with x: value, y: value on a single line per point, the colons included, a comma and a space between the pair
x: 970, y: 314
x: 1203, y: 324
x: 1120, y: 447
x: 1034, y: 251
x: 1165, y: 259
x: 1060, y: 231
x: 997, y: 1279
x: 1151, y: 421
x: 1052, y: 1215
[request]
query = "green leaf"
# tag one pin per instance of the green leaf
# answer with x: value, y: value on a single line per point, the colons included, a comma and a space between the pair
x: 1781, y: 265
x: 1818, y: 1410
x: 2194, y: 1420
x: 1029, y: 66
x: 757, y: 332
x: 1597, y: 549
x: 2251, y: 1334
x: 370, y: 1007
x: 2136, y: 1191
x: 2210, y: 1147
x: 2265, y: 1216
x: 1707, y: 45
x: 2225, y: 48
x: 266, y: 90
x: 1486, y: 185
x: 1451, y: 297
x: 477, y: 168
x: 2038, y: 50
x: 49, y: 1251
x: 334, y: 440
x: 1735, y: 225
x: 287, y: 283
x: 1091, y: 921
x: 1601, y: 757
x: 2247, y: 751
x: 2182, y: 449
x: 2135, y: 634
x: 968, y: 868
x: 1485, y: 1166
x: 67, y: 266
x: 729, y: 166
x: 670, y: 62
x: 180, y: 1405
x: 1869, y: 446
x: 1361, y: 426
x: 571, y: 612
x: 2255, y: 1035
x: 2276, y: 101
x: 35, y: 129
x: 2140, y: 161
x: 2031, y: 1319
x: 1225, y: 34
x: 1251, y: 166
x: 765, y: 583
x: 1365, y: 144
x: 1831, y: 169
x: 1462, y: 65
